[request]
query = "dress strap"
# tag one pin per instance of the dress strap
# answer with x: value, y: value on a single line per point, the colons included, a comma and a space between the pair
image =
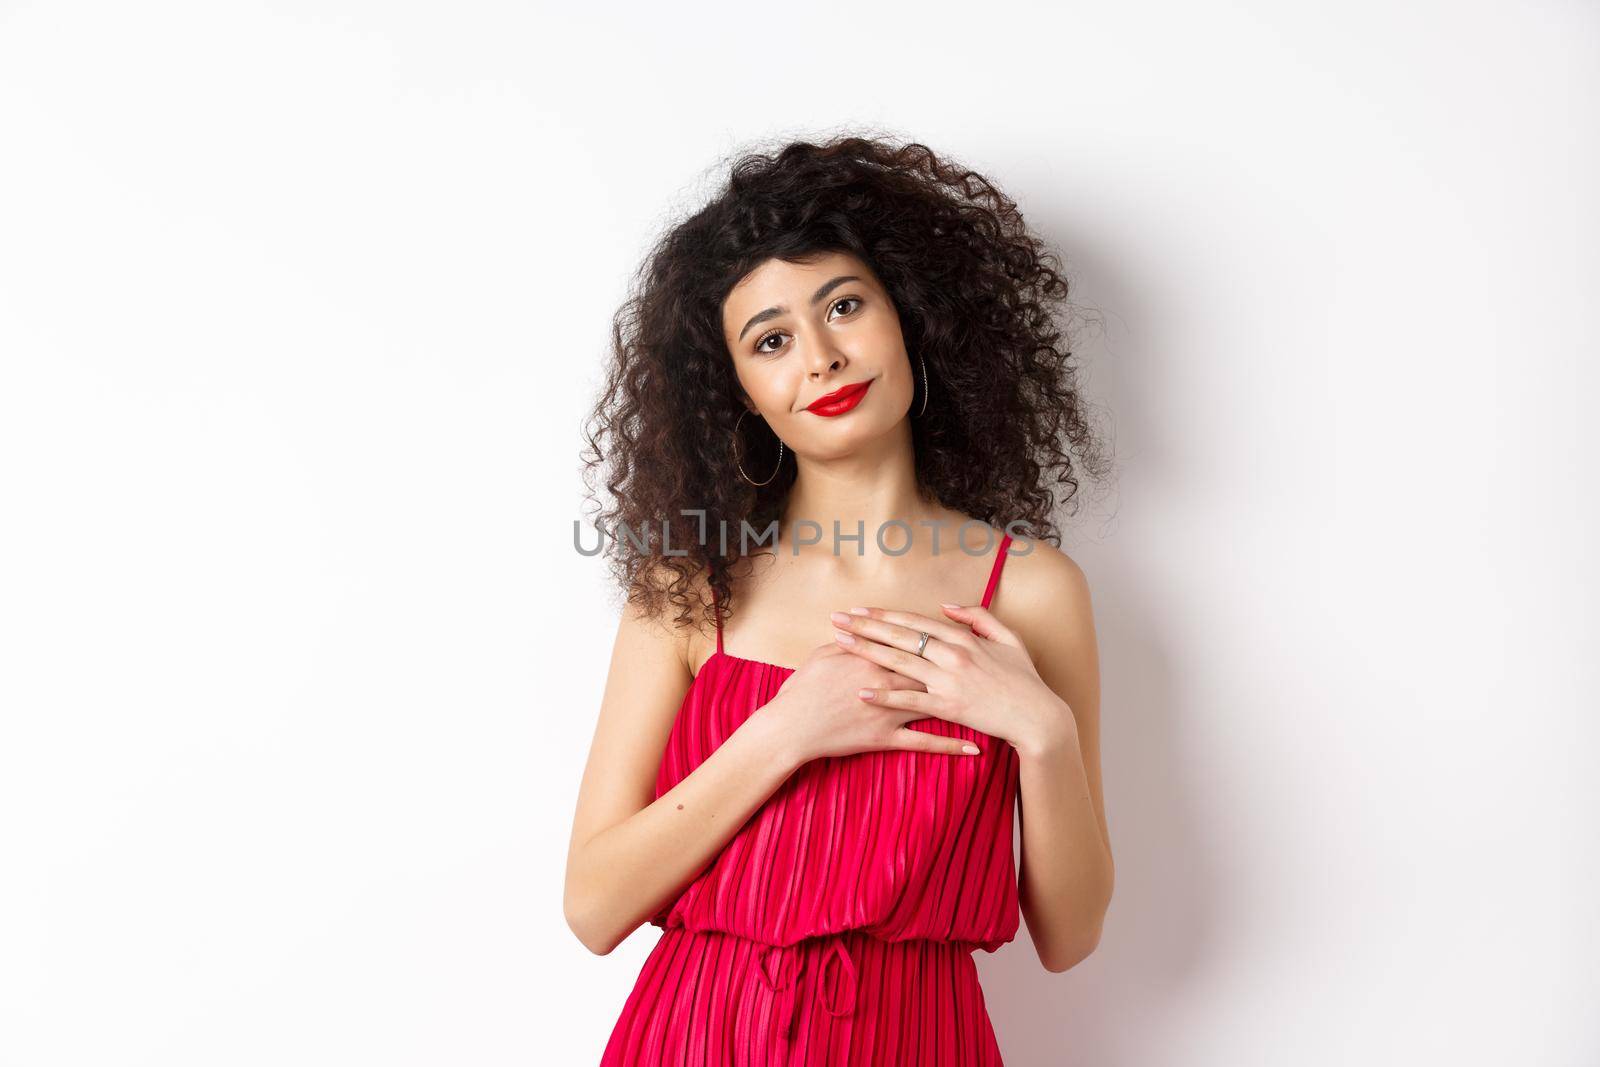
x: 718, y: 616
x: 994, y: 574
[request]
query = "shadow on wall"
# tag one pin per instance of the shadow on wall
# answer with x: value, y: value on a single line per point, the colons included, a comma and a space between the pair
x: 1111, y: 1009
x: 1123, y: 1006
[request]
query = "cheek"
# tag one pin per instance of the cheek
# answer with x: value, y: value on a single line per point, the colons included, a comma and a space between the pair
x: 771, y: 385
x: 882, y: 341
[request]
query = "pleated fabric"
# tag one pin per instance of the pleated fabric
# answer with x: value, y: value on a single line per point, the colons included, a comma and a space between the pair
x: 838, y: 925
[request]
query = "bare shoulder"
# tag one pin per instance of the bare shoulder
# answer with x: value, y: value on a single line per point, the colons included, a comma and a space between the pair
x: 1044, y: 596
x: 1038, y: 575
x: 658, y: 632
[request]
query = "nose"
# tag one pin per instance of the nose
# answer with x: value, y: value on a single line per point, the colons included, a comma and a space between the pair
x: 824, y: 358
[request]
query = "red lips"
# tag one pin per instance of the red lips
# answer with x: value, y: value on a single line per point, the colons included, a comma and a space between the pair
x: 840, y: 400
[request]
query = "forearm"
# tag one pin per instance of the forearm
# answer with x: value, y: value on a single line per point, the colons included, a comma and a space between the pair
x: 621, y: 876
x: 1066, y: 878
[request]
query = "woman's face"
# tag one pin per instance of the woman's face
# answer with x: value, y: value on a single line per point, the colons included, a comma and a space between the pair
x: 798, y: 332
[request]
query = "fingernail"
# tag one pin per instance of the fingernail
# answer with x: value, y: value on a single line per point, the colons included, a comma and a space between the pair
x: 971, y: 750
x: 858, y: 611
x: 864, y: 694
x: 956, y: 606
x: 838, y: 616
x: 844, y: 639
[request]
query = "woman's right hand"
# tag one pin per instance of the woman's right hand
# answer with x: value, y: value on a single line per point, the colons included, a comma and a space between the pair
x: 817, y: 713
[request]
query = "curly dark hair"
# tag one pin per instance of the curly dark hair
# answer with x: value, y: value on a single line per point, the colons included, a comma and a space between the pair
x: 978, y: 297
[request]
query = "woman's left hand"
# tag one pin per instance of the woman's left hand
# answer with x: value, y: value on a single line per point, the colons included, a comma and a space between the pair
x: 975, y: 670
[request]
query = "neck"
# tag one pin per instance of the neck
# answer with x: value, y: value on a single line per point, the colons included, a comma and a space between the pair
x: 860, y: 491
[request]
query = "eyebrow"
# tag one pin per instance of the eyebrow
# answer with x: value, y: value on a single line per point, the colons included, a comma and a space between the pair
x: 773, y: 312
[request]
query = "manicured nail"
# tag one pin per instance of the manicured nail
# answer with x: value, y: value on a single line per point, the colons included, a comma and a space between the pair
x: 844, y: 639
x: 840, y: 617
x: 971, y: 750
x: 858, y: 611
x: 864, y: 694
x: 955, y: 606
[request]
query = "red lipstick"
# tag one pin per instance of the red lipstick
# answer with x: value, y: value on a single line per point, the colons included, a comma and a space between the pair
x: 840, y: 400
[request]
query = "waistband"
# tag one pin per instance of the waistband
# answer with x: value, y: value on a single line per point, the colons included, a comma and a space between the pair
x: 783, y: 978
x: 781, y: 967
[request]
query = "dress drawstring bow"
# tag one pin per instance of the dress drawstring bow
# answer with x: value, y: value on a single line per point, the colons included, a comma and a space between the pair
x: 787, y: 980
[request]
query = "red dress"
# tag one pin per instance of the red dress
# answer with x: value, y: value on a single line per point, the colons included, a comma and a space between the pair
x: 838, y: 925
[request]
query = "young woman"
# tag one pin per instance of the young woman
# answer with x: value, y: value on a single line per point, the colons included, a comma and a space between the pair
x: 810, y: 747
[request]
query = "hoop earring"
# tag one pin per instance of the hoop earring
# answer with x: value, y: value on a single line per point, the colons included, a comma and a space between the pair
x: 736, y: 450
x: 924, y: 407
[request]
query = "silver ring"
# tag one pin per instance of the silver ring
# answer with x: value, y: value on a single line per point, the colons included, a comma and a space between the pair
x: 922, y: 644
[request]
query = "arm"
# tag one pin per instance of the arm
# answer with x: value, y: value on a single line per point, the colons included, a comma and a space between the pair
x: 1067, y: 870
x: 629, y: 854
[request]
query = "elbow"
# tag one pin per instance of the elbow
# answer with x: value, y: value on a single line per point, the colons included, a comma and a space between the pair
x: 1086, y: 938
x: 599, y: 946
x: 1081, y: 945
x: 1058, y: 961
x: 587, y: 937
x: 592, y: 938
x: 582, y: 922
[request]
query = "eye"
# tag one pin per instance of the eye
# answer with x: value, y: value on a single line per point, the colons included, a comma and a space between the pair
x: 761, y: 342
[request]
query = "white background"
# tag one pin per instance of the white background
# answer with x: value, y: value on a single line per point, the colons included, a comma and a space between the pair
x: 302, y: 305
